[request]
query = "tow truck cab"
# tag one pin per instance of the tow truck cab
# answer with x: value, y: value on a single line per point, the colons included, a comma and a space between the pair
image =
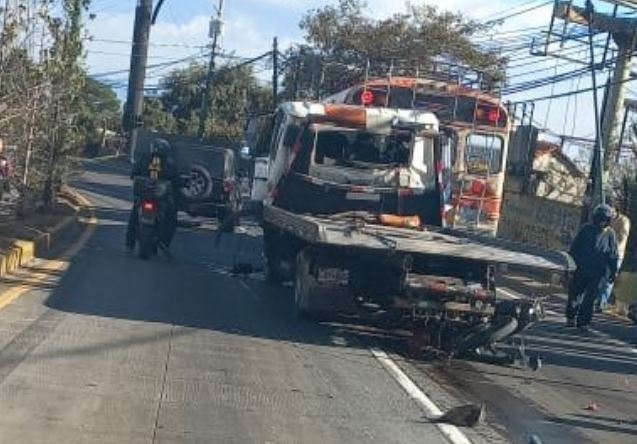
x: 329, y: 159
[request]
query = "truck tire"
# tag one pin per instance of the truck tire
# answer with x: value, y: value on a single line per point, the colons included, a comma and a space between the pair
x: 274, y: 270
x: 303, y: 286
x: 199, y: 184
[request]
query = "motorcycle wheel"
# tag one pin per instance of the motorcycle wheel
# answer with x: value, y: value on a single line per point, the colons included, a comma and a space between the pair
x: 147, y: 242
x: 490, y: 335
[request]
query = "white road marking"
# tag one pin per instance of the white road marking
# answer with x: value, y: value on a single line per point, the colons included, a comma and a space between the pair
x: 452, y: 433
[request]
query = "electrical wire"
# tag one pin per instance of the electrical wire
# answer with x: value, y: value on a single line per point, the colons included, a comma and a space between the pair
x: 579, y: 91
x: 494, y: 15
x: 157, y: 45
x: 157, y: 65
x: 515, y: 14
x: 548, y: 108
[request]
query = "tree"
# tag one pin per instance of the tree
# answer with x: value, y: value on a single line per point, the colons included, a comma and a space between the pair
x: 156, y: 118
x: 236, y: 93
x: 67, y: 77
x: 40, y: 92
x: 99, y: 112
x: 341, y: 39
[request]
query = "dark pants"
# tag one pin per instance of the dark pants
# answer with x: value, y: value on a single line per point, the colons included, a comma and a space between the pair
x: 167, y: 228
x: 582, y: 294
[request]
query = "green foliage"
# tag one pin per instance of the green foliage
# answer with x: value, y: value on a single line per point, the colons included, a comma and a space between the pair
x: 42, y: 93
x: 341, y: 39
x: 177, y: 109
x: 99, y: 111
x: 156, y: 118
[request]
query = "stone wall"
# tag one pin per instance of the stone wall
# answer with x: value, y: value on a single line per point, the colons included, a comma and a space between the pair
x: 538, y: 221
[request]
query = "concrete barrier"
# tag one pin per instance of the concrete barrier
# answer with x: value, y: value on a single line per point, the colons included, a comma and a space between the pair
x: 20, y: 252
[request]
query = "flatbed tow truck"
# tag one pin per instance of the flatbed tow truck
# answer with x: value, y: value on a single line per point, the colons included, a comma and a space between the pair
x: 352, y: 217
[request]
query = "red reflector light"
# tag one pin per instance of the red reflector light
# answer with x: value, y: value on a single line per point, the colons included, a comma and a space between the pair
x: 367, y: 98
x: 494, y: 115
x: 148, y: 206
x: 489, y: 114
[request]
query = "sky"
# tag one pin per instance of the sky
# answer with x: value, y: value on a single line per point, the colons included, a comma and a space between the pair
x: 250, y: 25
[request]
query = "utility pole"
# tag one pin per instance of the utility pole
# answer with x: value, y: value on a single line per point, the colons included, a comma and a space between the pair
x: 216, y: 25
x: 139, y: 57
x: 596, y: 191
x: 616, y: 93
x: 624, y: 33
x: 275, y: 72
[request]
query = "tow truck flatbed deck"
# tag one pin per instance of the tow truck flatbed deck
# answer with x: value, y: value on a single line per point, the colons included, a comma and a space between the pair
x: 343, y: 232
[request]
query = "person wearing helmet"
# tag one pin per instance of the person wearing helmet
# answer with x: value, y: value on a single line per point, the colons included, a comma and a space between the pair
x: 157, y: 163
x: 595, y: 253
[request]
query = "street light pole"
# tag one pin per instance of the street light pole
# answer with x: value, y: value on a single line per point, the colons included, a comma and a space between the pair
x: 215, y: 29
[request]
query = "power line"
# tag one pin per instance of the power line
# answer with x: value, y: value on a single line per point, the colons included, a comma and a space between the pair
x: 515, y: 14
x: 495, y: 14
x: 158, y: 45
x: 157, y: 65
x: 576, y: 92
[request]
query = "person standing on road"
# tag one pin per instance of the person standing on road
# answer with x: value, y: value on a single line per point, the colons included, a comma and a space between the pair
x: 595, y: 253
x: 621, y: 226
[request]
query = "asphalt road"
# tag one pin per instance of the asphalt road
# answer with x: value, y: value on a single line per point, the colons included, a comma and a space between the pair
x: 118, y: 350
x: 115, y: 349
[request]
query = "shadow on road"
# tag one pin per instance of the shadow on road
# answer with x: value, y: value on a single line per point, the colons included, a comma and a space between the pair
x: 195, y: 292
x: 190, y: 291
x: 595, y: 423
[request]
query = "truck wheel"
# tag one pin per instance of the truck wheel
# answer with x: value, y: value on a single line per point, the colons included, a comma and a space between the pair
x: 274, y: 272
x: 199, y: 186
x: 303, y: 286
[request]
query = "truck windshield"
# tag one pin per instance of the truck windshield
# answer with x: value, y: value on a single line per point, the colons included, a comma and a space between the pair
x: 360, y: 149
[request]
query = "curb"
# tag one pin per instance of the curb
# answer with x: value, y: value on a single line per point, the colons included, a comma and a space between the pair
x: 22, y: 251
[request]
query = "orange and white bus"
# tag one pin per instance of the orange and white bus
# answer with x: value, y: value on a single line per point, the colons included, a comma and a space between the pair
x: 476, y: 129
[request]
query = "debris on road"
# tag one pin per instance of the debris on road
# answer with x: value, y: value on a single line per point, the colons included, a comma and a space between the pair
x: 468, y: 415
x: 593, y: 407
x: 535, y: 440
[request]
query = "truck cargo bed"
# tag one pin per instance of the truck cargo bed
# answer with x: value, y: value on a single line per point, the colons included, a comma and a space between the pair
x: 343, y: 232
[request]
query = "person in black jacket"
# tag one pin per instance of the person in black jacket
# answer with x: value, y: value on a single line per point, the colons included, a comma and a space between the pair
x: 595, y: 253
x: 158, y: 163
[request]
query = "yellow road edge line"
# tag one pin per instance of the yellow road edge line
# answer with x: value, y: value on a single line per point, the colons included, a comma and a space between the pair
x: 13, y: 293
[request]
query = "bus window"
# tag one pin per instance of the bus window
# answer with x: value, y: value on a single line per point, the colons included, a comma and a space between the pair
x: 483, y: 153
x: 449, y: 148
